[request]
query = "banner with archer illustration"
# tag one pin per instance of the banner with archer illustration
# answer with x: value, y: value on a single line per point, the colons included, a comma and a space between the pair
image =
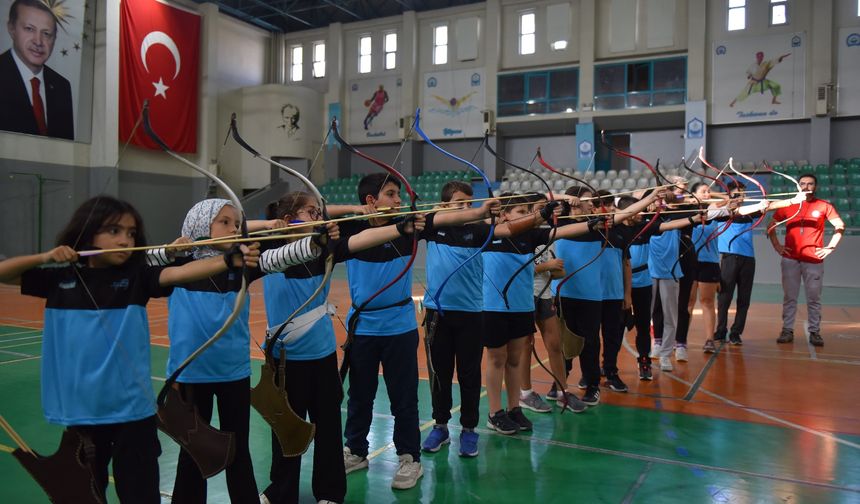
x: 453, y: 103
x: 758, y: 78
x: 374, y: 109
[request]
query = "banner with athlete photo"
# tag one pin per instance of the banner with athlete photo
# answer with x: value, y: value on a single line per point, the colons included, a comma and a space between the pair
x: 373, y: 110
x: 758, y: 78
x: 453, y: 103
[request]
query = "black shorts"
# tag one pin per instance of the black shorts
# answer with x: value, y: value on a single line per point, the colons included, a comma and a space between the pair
x: 708, y: 272
x: 544, y: 308
x: 502, y: 327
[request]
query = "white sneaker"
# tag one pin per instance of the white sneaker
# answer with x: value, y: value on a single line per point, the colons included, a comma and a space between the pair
x: 681, y: 354
x: 353, y: 462
x: 264, y: 499
x: 665, y: 364
x: 407, y: 474
x: 655, y: 351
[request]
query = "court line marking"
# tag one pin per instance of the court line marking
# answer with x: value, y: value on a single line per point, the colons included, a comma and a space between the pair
x: 30, y: 331
x: 701, y: 377
x: 16, y: 354
x: 2, y: 363
x: 681, y: 463
x: 755, y: 411
x: 20, y: 339
x: 638, y: 483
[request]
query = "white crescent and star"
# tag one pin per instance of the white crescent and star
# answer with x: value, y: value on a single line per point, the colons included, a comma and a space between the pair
x: 160, y: 38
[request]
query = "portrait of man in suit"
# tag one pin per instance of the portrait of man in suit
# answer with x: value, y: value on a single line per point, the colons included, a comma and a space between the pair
x: 34, y: 98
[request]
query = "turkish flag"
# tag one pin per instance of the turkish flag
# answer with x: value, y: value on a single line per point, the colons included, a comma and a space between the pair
x: 159, y: 62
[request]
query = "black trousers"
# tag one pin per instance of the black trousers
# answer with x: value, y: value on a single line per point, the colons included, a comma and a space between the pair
x: 456, y: 342
x: 685, y: 288
x: 134, y: 449
x: 314, y: 391
x: 399, y: 358
x: 583, y: 318
x: 642, y: 317
x: 735, y: 271
x: 234, y: 414
x: 612, y: 326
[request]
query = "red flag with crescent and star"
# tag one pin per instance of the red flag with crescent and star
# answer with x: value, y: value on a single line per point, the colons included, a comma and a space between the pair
x: 159, y: 62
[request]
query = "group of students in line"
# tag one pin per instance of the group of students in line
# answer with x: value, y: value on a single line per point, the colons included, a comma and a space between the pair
x: 96, y: 358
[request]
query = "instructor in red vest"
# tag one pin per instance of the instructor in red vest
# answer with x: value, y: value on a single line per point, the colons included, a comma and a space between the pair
x: 803, y: 257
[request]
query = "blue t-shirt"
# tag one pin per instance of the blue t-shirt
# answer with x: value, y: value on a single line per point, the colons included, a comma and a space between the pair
x: 744, y: 244
x: 639, y: 252
x: 196, y: 311
x: 502, y: 258
x: 95, y: 347
x: 286, y: 291
x: 576, y: 252
x: 370, y: 270
x: 663, y: 255
x: 701, y: 232
x: 447, y: 248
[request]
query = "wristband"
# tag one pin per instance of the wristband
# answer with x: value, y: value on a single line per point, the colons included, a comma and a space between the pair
x: 228, y: 256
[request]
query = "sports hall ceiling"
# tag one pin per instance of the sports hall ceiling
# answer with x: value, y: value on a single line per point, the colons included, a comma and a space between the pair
x: 295, y: 15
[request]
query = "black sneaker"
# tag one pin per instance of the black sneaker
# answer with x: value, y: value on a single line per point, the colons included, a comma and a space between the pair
x: 582, y: 385
x: 719, y: 336
x: 520, y: 419
x: 592, y: 396
x: 785, y: 336
x: 572, y: 403
x: 645, y: 369
x: 502, y: 423
x: 553, y: 394
x: 614, y: 382
x: 735, y: 339
x: 816, y: 339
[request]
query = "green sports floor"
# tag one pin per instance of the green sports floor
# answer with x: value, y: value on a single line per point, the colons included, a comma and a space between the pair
x: 641, y: 447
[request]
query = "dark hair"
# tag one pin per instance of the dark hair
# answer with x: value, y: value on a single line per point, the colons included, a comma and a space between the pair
x: 371, y: 185
x: 736, y: 185
x: 578, y: 191
x: 809, y: 175
x: 510, y: 200
x: 534, y: 197
x: 92, y: 216
x: 625, y: 201
x: 696, y: 186
x: 36, y: 4
x: 453, y: 186
x: 604, y: 198
x: 288, y: 204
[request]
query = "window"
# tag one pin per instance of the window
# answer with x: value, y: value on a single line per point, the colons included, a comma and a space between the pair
x: 541, y: 92
x: 737, y: 14
x: 527, y: 33
x: 364, y: 53
x: 296, y: 55
x: 640, y: 84
x: 778, y: 12
x: 319, y: 60
x: 440, y: 45
x: 390, y: 48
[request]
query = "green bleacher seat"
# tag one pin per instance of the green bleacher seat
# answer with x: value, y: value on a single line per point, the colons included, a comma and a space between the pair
x: 839, y: 191
x: 844, y: 204
x: 841, y: 161
x: 838, y: 168
x: 838, y: 179
x: 855, y: 160
x: 854, y: 168
x: 854, y: 179
x: 822, y: 168
x: 824, y: 178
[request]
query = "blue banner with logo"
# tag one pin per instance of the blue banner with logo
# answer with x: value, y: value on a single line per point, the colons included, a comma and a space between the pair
x: 584, y: 146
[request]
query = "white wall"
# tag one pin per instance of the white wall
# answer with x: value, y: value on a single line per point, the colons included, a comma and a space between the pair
x: 544, y: 55
x: 643, y: 22
x: 665, y: 145
x: 559, y: 151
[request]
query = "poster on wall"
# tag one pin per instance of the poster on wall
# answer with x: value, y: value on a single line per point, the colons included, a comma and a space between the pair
x: 452, y: 104
x: 374, y: 109
x: 848, y: 70
x: 758, y: 78
x: 46, y: 65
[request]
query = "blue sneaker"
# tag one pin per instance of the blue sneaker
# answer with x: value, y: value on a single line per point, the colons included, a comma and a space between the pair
x: 437, y: 437
x: 468, y: 444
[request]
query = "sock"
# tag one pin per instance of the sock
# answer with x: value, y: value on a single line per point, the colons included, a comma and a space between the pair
x: 525, y: 393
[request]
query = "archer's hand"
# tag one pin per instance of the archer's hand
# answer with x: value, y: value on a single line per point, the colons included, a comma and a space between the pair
x: 276, y: 224
x: 414, y: 224
x: 780, y: 248
x: 250, y: 255
x: 555, y: 264
x: 182, y: 240
x: 491, y: 207
x: 333, y: 231
x: 61, y: 254
x: 799, y: 198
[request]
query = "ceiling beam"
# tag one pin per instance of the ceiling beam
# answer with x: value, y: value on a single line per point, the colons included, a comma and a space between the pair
x: 281, y: 12
x: 342, y: 8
